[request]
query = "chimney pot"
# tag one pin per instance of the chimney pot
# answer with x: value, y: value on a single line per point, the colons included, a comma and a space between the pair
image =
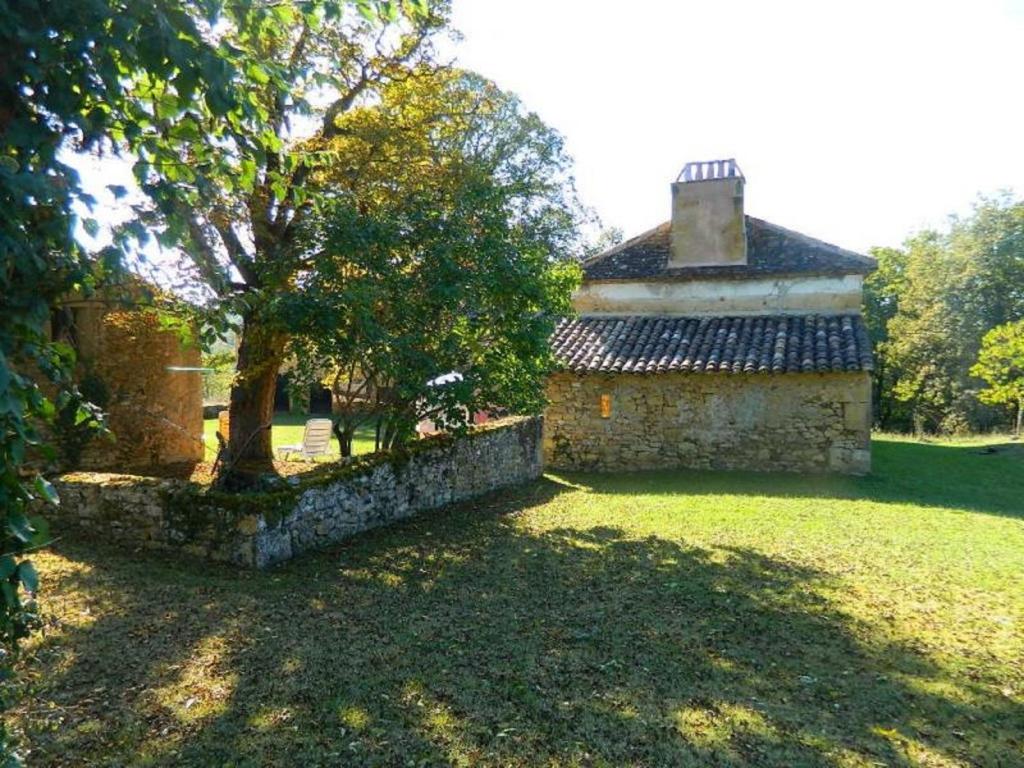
x: 708, y: 223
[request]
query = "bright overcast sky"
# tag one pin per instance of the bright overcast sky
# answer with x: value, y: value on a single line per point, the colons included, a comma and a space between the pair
x: 854, y: 122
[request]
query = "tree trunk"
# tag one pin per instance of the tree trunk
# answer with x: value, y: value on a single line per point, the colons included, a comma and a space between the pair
x: 252, y: 396
x: 344, y: 432
x: 878, y: 407
x: 1020, y: 417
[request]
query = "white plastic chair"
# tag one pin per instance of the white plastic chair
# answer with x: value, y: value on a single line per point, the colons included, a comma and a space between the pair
x: 316, y: 441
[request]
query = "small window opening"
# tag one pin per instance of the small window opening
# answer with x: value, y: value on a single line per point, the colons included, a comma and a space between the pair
x: 606, y: 406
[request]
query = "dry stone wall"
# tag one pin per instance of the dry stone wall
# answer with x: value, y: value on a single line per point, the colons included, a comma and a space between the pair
x: 805, y: 422
x: 259, y: 530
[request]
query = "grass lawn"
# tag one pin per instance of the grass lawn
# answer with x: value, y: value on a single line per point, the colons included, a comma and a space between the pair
x: 288, y: 430
x: 655, y: 619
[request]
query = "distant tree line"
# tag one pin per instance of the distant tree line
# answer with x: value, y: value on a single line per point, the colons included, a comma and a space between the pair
x: 933, y: 306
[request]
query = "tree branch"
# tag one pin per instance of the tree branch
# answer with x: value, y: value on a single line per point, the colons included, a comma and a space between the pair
x: 235, y: 250
x: 286, y: 218
x: 205, y: 254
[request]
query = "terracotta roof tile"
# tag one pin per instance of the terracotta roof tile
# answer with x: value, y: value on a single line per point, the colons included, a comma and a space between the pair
x: 749, y: 344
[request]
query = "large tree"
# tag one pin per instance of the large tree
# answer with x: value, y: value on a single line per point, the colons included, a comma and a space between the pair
x: 928, y: 349
x: 236, y: 200
x: 190, y: 89
x: 445, y: 244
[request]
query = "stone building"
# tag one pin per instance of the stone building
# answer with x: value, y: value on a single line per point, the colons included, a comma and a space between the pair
x: 715, y: 340
x: 142, y: 371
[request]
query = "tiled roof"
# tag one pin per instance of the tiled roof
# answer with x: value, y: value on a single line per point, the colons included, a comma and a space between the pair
x: 751, y: 344
x: 771, y: 251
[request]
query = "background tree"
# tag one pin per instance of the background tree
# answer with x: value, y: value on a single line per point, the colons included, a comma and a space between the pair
x: 234, y: 198
x: 928, y: 307
x: 928, y: 342
x: 607, y: 238
x: 882, y: 291
x: 447, y: 245
x: 990, y: 245
x: 1001, y: 365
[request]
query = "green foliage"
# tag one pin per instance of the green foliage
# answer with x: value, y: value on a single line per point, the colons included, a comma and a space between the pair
x: 217, y: 381
x: 148, y: 78
x: 882, y: 291
x: 928, y: 307
x: 200, y: 93
x: 447, y: 245
x: 1001, y: 365
x: 227, y: 181
x: 79, y: 419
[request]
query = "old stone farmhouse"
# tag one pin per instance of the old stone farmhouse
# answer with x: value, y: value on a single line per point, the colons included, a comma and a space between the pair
x: 715, y: 340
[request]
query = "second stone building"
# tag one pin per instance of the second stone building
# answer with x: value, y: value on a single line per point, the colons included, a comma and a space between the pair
x: 715, y: 340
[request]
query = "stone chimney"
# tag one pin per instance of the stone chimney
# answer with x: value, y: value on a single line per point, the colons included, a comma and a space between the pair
x: 708, y: 227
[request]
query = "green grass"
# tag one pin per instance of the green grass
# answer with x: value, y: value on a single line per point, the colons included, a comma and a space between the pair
x: 288, y: 430
x: 653, y: 619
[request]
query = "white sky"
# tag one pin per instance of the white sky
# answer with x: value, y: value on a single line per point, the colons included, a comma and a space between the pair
x: 858, y: 123
x: 854, y: 122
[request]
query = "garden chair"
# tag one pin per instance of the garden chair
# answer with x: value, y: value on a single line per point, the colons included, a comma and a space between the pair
x: 316, y: 441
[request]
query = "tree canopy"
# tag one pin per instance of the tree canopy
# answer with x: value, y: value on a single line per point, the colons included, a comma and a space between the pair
x: 445, y: 243
x: 73, y: 77
x: 1001, y: 365
x: 235, y: 194
x: 928, y: 307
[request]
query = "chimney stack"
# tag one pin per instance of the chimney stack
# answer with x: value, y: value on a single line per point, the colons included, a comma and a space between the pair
x: 708, y: 226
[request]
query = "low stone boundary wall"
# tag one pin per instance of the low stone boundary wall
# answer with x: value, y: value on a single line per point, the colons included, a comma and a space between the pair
x: 260, y: 529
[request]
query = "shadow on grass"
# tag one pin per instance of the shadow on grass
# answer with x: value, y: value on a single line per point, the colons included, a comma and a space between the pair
x: 987, y: 478
x: 467, y: 638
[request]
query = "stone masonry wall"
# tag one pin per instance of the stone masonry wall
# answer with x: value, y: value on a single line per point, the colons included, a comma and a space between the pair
x: 789, y: 422
x: 155, y: 413
x: 259, y: 530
